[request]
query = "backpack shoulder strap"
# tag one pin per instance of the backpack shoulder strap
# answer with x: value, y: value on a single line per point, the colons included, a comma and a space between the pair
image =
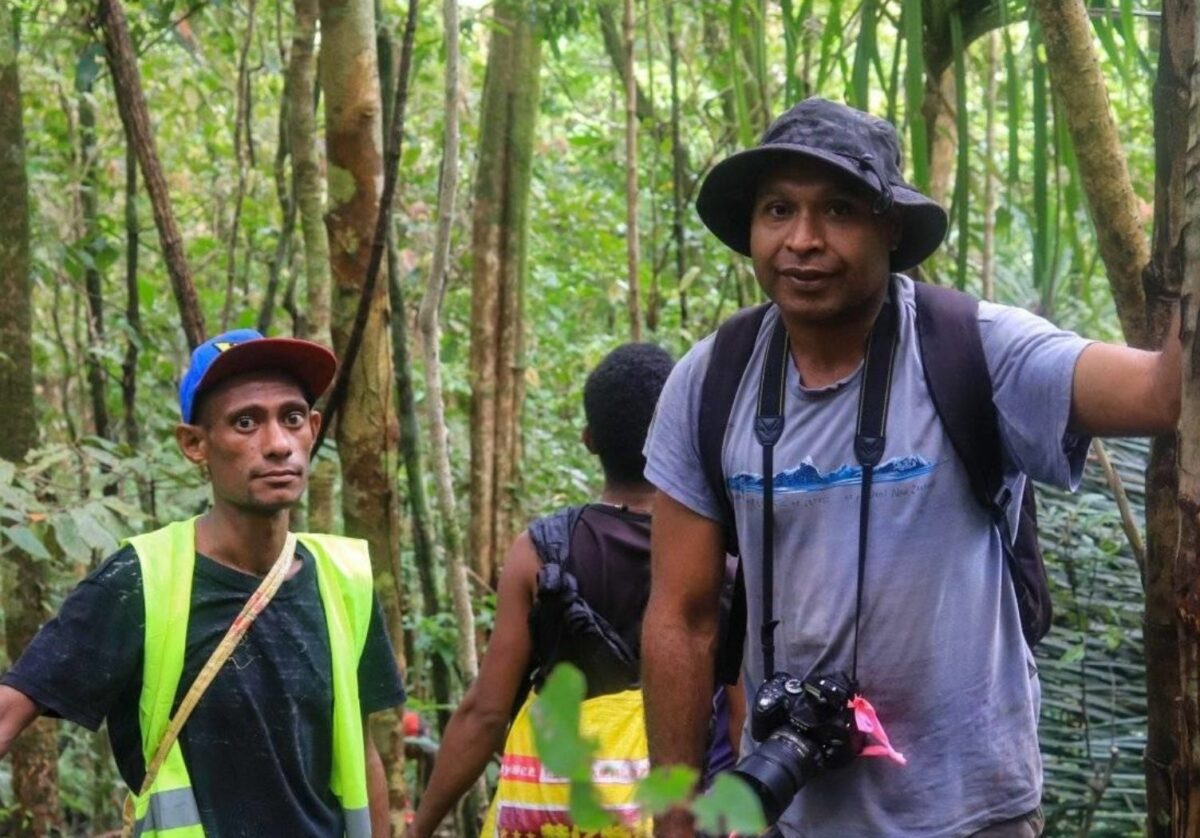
x: 960, y: 385
x: 731, y: 351
x: 730, y: 355
x: 551, y: 535
x: 562, y: 622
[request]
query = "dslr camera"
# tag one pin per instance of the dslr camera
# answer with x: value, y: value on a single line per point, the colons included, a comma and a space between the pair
x: 806, y: 727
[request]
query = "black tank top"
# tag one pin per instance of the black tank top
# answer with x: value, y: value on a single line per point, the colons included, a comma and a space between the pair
x: 605, y: 552
x: 592, y: 590
x: 610, y: 559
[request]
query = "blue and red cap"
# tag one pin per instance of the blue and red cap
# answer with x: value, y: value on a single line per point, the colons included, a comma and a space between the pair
x: 245, y: 350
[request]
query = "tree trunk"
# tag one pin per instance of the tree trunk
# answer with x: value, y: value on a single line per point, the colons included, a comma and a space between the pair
x: 431, y: 338
x: 93, y: 282
x: 133, y: 338
x: 241, y: 154
x: 133, y: 315
x: 1079, y: 88
x: 422, y: 525
x: 631, y: 181
x: 614, y: 46
x: 285, y: 192
x: 35, y: 754
x: 1170, y: 747
x: 678, y: 166
x: 132, y: 104
x: 281, y: 259
x: 508, y: 113
x: 941, y: 129
x: 1186, y: 802
x: 307, y: 191
x: 367, y: 429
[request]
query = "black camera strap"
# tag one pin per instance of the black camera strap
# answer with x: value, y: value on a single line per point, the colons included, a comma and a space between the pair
x: 868, y: 450
x: 768, y: 427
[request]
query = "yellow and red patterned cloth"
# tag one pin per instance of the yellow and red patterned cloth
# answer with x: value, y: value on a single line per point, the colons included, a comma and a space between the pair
x: 531, y: 802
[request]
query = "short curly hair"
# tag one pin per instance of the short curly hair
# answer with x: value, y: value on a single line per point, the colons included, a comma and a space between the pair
x: 619, y: 400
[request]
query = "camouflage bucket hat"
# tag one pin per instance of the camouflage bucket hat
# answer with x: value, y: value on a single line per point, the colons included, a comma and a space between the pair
x: 855, y: 143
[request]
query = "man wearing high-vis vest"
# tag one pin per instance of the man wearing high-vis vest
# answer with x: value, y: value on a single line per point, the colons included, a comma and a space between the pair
x: 277, y: 743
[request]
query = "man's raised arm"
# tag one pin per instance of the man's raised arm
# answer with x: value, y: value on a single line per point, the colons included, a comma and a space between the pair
x: 679, y: 639
x: 1119, y: 391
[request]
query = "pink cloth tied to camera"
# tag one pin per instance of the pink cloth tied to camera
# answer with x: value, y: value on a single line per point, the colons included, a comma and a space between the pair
x: 869, y: 724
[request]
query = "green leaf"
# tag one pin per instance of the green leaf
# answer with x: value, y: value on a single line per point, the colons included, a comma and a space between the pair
x: 92, y: 531
x: 689, y: 276
x: 1073, y: 654
x: 729, y: 806
x: 666, y: 787
x: 586, y: 811
x: 556, y: 725
x: 66, y: 533
x: 563, y: 751
x: 24, y: 539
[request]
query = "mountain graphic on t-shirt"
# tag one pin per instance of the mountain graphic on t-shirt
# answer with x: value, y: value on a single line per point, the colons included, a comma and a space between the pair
x: 806, y: 477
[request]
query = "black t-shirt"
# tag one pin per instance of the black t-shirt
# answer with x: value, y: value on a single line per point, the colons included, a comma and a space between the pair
x: 258, y: 746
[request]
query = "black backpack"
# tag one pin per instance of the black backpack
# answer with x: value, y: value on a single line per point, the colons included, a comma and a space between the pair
x: 564, y: 626
x: 960, y: 386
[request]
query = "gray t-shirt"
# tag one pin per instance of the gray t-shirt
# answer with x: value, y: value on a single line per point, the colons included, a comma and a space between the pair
x: 941, y: 655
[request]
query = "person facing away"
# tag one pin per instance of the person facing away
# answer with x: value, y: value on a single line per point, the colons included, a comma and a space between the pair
x: 278, y: 744
x: 821, y: 210
x: 592, y: 560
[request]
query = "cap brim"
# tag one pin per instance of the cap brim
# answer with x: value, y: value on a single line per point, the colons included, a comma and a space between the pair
x: 726, y: 201
x: 311, y: 364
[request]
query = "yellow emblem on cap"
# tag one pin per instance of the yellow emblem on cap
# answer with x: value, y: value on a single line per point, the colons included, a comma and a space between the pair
x: 223, y: 345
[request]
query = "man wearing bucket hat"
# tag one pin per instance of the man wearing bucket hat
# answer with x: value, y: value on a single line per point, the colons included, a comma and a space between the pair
x: 924, y: 613
x: 277, y: 742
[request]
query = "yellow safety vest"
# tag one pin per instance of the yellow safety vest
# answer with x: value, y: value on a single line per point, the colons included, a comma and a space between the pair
x: 167, y: 557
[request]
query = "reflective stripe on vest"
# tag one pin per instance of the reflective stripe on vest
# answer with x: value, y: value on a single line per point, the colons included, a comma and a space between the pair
x: 168, y: 810
x: 358, y: 823
x: 167, y: 558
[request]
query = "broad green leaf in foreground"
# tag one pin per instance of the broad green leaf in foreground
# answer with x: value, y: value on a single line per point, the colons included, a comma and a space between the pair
x: 561, y: 747
x: 666, y: 787
x: 586, y: 811
x: 556, y: 725
x: 729, y: 806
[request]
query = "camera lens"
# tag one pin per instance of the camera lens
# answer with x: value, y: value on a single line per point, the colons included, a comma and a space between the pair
x: 778, y: 768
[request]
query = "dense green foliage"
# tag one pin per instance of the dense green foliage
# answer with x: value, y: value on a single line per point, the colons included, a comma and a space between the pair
x: 78, y: 494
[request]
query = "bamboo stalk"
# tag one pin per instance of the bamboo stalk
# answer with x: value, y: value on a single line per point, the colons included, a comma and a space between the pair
x: 987, y: 273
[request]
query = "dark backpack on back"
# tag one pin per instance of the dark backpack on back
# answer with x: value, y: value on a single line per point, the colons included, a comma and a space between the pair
x: 960, y: 386
x: 564, y: 626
